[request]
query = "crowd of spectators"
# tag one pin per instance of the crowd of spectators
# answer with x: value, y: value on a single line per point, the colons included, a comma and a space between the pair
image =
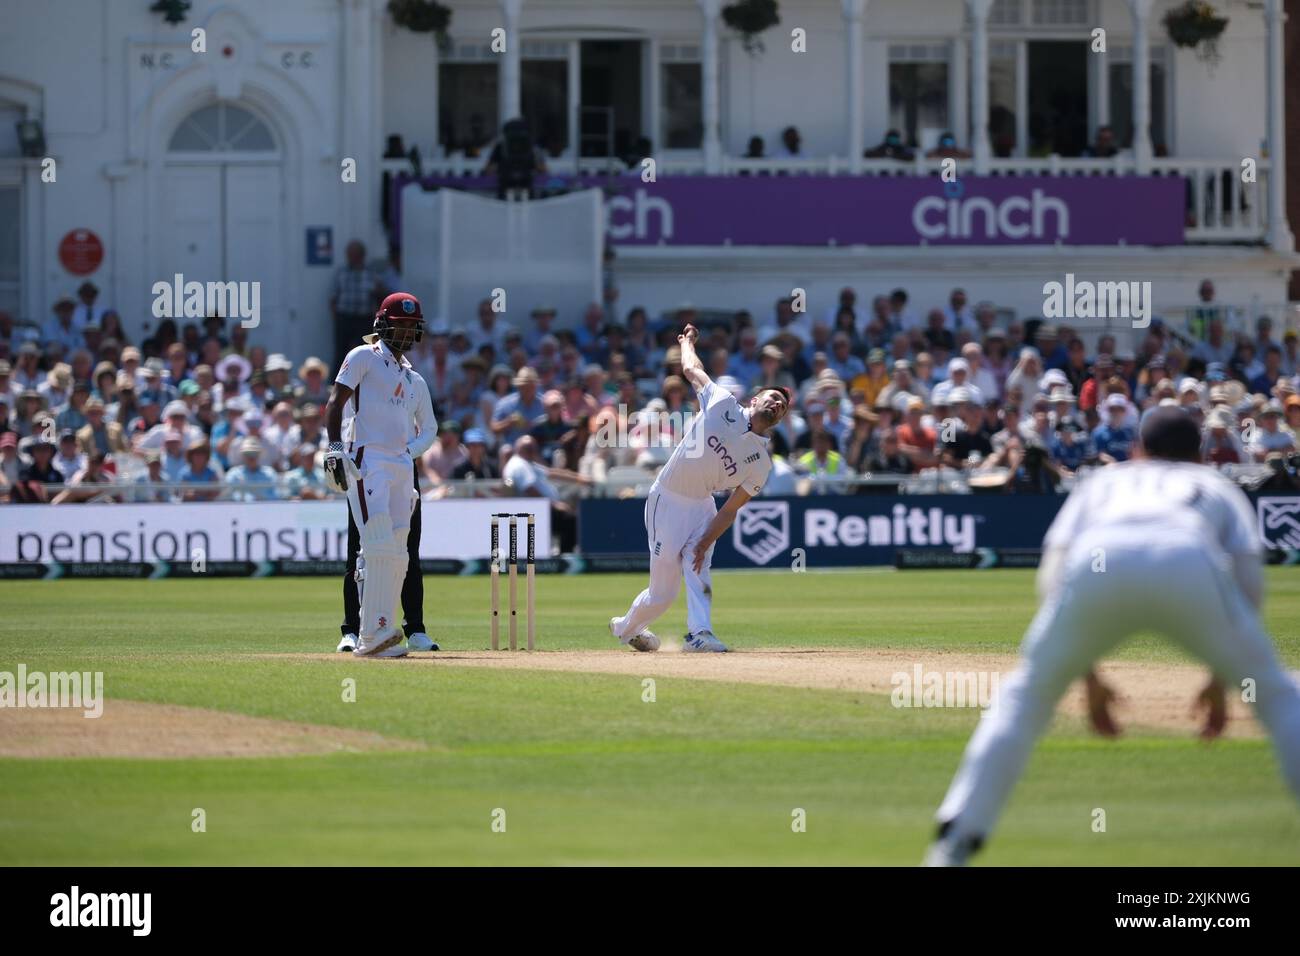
x: 548, y: 406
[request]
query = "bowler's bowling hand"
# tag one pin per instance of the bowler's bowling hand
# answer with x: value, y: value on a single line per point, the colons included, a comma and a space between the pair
x: 335, y: 469
x: 1100, y: 697
x: 1213, y: 701
x: 689, y: 334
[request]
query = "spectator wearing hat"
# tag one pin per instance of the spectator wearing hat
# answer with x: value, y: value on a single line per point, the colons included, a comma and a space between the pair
x: 104, y: 382
x: 10, y: 463
x: 60, y: 329
x: 29, y: 488
x: 515, y: 413
x: 979, y: 377
x: 1220, y: 443
x: 228, y: 432
x: 1071, y: 446
x: 1025, y: 377
x: 199, y: 470
x: 277, y: 370
x: 29, y: 412
x: 87, y: 311
x: 69, y: 458
x: 543, y: 318
x: 250, y: 480
x: 149, y: 483
x: 917, y: 440
x: 154, y: 386
x: 81, y: 486
x: 27, y: 373
x: 1114, y: 437
x: 965, y: 439
x: 173, y: 454
x: 958, y: 377
x: 305, y: 480
x: 873, y: 381
x: 1268, y: 435
x: 1093, y: 389
x: 314, y: 385
x: 125, y: 406
x: 308, y: 430
x: 57, y: 388
x: 8, y: 389
x: 477, y: 463
x: 277, y: 436
x: 72, y: 416
x: 772, y: 372
x: 175, y: 417
x: 551, y: 430
x: 232, y: 372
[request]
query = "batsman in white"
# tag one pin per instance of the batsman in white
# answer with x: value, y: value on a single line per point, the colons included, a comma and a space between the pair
x: 392, y: 422
x: 725, y: 448
x: 1159, y: 544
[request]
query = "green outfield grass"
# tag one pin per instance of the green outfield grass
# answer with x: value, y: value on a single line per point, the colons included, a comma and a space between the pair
x: 586, y: 772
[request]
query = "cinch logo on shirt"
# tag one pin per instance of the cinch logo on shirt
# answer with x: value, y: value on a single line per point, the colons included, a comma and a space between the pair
x: 728, y: 462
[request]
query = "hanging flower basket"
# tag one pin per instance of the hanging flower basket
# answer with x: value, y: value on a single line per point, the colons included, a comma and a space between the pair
x: 422, y: 16
x: 1196, y: 24
x: 749, y: 18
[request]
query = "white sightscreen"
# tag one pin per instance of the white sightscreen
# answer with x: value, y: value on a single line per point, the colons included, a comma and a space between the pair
x: 457, y: 248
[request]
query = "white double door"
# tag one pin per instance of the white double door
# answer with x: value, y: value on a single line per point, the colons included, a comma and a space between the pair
x: 224, y: 222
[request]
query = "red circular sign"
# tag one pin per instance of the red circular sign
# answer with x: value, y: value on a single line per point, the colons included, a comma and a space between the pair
x: 81, y: 252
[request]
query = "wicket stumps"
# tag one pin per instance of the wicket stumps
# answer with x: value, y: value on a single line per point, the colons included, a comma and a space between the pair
x: 498, y: 559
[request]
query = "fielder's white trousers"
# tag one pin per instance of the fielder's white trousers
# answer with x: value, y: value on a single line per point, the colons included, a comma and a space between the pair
x: 382, y: 499
x: 674, y: 524
x: 1170, y: 587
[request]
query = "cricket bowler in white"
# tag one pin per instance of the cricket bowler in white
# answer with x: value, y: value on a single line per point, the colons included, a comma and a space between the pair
x: 725, y: 448
x: 392, y: 421
x: 1182, y: 558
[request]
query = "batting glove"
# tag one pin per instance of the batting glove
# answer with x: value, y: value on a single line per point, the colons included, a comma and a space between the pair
x: 335, y: 468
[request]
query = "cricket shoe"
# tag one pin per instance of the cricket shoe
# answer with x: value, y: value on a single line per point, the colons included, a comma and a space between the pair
x: 381, y: 645
x: 645, y: 642
x: 347, y: 643
x: 949, y: 850
x: 703, y: 642
x: 419, y: 641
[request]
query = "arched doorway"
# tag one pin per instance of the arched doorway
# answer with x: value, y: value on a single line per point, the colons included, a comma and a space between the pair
x: 221, y: 218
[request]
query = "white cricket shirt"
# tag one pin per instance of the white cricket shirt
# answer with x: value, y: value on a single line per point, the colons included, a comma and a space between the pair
x: 1158, y: 500
x: 387, y: 398
x: 718, y: 451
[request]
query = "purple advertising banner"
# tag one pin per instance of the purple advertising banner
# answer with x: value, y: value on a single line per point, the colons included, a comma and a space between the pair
x: 876, y: 210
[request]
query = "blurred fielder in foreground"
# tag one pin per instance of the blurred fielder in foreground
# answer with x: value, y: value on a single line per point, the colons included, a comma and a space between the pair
x: 390, y: 403
x: 1161, y: 544
x: 725, y: 448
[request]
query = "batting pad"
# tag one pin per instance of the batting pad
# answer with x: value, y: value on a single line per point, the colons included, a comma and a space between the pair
x: 385, y: 570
